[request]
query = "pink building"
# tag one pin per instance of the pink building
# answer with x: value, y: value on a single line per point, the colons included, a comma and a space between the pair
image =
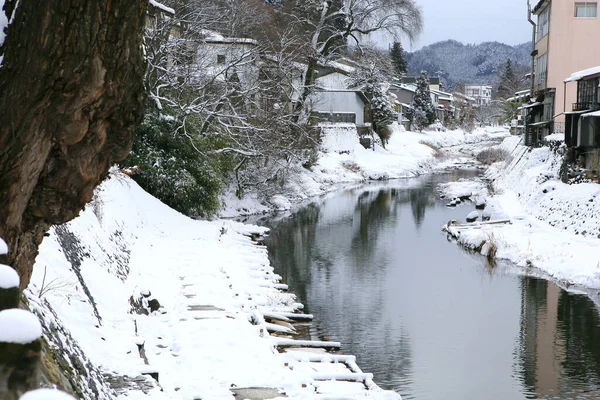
x: 566, y: 41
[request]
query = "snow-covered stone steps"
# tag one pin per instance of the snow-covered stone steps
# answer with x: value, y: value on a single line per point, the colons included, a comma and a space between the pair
x: 283, y: 342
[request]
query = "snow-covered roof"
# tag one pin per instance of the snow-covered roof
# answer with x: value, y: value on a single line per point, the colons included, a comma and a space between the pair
x: 215, y: 37
x: 592, y: 114
x: 586, y: 73
x: 441, y: 94
x: 463, y: 96
x: 405, y: 86
x: 519, y: 95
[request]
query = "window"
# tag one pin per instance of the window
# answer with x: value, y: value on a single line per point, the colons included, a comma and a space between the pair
x: 588, y: 9
x: 542, y: 69
x: 220, y: 59
x: 586, y: 94
x: 543, y: 23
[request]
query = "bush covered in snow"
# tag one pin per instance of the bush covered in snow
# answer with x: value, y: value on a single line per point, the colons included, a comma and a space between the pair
x: 492, y: 155
x: 172, y: 167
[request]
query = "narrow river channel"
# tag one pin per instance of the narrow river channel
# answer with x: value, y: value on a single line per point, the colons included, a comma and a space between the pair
x: 430, y: 320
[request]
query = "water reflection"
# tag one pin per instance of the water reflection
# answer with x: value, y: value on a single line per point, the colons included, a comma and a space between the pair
x: 428, y: 319
x: 559, y: 346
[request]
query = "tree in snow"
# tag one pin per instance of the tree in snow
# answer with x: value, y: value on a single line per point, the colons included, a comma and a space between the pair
x: 168, y: 165
x: 328, y: 25
x: 71, y: 96
x: 423, y: 111
x: 398, y: 61
x: 227, y: 121
x: 489, y: 114
x: 372, y: 77
x: 510, y: 80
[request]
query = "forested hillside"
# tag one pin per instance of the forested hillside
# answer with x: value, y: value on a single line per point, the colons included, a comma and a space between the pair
x: 457, y: 63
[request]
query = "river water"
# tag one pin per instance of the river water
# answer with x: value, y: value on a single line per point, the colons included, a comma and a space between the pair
x: 430, y: 320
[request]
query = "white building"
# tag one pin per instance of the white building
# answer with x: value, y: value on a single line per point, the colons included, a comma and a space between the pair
x: 481, y: 93
x: 227, y: 58
x: 332, y: 99
x: 339, y: 105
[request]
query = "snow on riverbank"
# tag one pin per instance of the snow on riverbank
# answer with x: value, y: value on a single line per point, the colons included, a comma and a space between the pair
x: 140, y: 290
x: 555, y: 227
x: 343, y: 161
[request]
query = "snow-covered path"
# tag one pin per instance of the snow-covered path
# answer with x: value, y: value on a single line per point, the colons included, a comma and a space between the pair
x: 216, y: 289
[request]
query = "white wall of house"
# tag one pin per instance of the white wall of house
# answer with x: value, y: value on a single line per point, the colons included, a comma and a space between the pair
x: 226, y: 58
x: 335, y: 80
x: 339, y: 102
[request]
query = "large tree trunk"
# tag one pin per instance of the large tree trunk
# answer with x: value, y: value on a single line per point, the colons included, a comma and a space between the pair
x: 71, y: 95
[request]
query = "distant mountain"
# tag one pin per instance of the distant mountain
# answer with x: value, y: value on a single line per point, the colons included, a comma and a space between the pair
x: 457, y: 63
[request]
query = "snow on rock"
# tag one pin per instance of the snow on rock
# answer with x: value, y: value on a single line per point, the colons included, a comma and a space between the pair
x: 281, y: 203
x: 481, y: 202
x: 46, y: 394
x: 3, y: 247
x: 19, y: 326
x: 473, y: 216
x: 554, y: 227
x: 8, y: 277
x: 462, y: 189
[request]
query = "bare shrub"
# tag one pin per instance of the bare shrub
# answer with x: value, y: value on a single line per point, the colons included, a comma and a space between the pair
x: 437, y: 153
x: 492, y: 155
x: 492, y: 249
x: 351, y: 166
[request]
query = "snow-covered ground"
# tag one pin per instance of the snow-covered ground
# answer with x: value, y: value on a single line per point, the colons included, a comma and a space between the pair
x: 131, y: 288
x: 555, y: 227
x: 142, y: 290
x: 343, y: 161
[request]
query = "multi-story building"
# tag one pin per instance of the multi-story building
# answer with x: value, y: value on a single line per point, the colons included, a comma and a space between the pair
x: 481, y: 93
x: 564, y: 42
x: 582, y: 126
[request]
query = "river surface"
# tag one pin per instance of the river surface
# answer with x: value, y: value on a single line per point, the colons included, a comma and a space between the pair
x: 428, y: 319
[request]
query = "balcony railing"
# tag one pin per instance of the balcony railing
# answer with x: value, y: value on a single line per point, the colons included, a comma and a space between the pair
x: 586, y: 105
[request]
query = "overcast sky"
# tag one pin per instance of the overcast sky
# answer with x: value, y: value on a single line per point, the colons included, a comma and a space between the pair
x: 474, y: 21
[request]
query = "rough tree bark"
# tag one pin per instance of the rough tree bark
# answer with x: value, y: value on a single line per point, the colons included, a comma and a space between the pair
x: 71, y: 95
